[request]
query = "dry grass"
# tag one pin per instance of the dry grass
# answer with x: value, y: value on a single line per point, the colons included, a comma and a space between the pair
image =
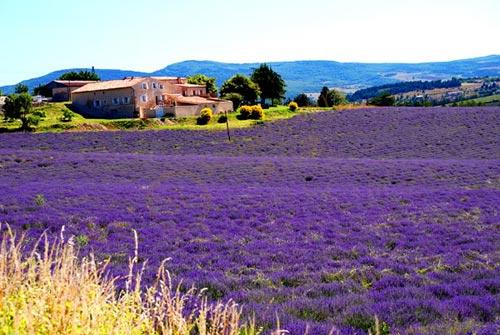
x: 50, y: 290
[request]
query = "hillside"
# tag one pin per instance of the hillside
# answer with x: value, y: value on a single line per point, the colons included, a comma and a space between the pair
x: 310, y: 76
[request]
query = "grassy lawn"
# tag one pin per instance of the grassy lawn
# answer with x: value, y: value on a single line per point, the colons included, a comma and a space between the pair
x: 491, y: 100
x: 52, y: 122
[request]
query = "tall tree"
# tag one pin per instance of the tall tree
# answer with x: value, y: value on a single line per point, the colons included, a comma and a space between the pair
x: 82, y: 75
x: 271, y: 85
x: 201, y: 79
x: 19, y: 107
x: 323, y: 97
x: 21, y: 88
x: 242, y: 85
x: 329, y: 98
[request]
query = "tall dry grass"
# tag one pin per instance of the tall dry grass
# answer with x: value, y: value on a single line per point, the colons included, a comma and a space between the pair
x: 50, y: 290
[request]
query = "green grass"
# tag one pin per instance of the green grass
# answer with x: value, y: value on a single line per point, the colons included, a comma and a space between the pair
x: 271, y: 114
x: 491, y: 100
x: 52, y: 122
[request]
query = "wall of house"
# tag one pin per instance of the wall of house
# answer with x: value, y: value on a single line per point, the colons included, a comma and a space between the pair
x: 153, y: 95
x: 194, y: 91
x: 84, y: 103
x: 194, y: 110
x: 61, y: 93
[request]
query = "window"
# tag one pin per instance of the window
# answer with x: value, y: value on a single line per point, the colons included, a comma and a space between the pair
x: 161, y: 86
x: 97, y: 103
x: 126, y: 100
x: 116, y: 101
x: 144, y: 98
x: 145, y: 86
x: 154, y: 85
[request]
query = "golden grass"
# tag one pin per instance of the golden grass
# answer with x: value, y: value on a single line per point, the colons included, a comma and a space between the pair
x: 51, y: 290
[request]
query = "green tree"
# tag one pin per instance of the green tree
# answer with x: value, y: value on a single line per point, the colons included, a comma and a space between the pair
x: 201, y: 79
x: 21, y: 88
x: 242, y: 85
x: 271, y: 85
x: 42, y: 90
x: 236, y: 98
x: 383, y: 99
x: 19, y: 107
x: 329, y: 98
x: 323, y: 97
x: 336, y: 98
x: 82, y: 75
x: 302, y: 100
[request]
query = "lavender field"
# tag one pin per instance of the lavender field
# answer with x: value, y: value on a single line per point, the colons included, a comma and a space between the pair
x: 325, y: 220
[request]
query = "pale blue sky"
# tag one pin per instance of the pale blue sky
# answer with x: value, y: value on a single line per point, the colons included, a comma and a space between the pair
x: 39, y: 36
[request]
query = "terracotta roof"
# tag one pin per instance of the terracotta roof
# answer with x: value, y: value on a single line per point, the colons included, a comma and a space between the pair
x: 109, y: 85
x: 74, y: 83
x: 191, y: 85
x: 194, y: 100
x: 167, y: 78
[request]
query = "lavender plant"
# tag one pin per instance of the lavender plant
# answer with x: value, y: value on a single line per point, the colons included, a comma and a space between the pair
x: 325, y: 219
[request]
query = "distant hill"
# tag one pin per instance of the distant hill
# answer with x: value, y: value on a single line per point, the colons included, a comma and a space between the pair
x: 104, y: 74
x: 403, y: 87
x: 310, y: 76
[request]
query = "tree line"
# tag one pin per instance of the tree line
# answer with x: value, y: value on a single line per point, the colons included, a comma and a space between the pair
x: 403, y: 87
x: 263, y: 85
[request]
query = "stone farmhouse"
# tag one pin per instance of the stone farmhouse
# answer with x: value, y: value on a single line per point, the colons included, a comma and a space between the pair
x: 62, y: 89
x: 149, y: 97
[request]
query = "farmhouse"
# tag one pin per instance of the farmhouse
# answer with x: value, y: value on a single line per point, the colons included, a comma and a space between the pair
x: 62, y: 89
x: 147, y: 97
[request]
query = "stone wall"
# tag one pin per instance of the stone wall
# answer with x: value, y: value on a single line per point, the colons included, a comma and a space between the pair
x: 108, y: 109
x: 194, y: 110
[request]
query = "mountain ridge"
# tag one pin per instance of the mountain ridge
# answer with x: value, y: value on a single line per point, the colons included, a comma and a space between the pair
x: 309, y: 75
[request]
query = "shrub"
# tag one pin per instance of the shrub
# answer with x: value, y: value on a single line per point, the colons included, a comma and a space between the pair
x: 67, y: 116
x: 39, y: 113
x: 222, y: 118
x: 293, y: 106
x: 257, y: 113
x: 303, y: 100
x: 40, y: 200
x: 205, y: 116
x: 368, y: 324
x: 82, y: 240
x: 34, y: 120
x: 245, y: 112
